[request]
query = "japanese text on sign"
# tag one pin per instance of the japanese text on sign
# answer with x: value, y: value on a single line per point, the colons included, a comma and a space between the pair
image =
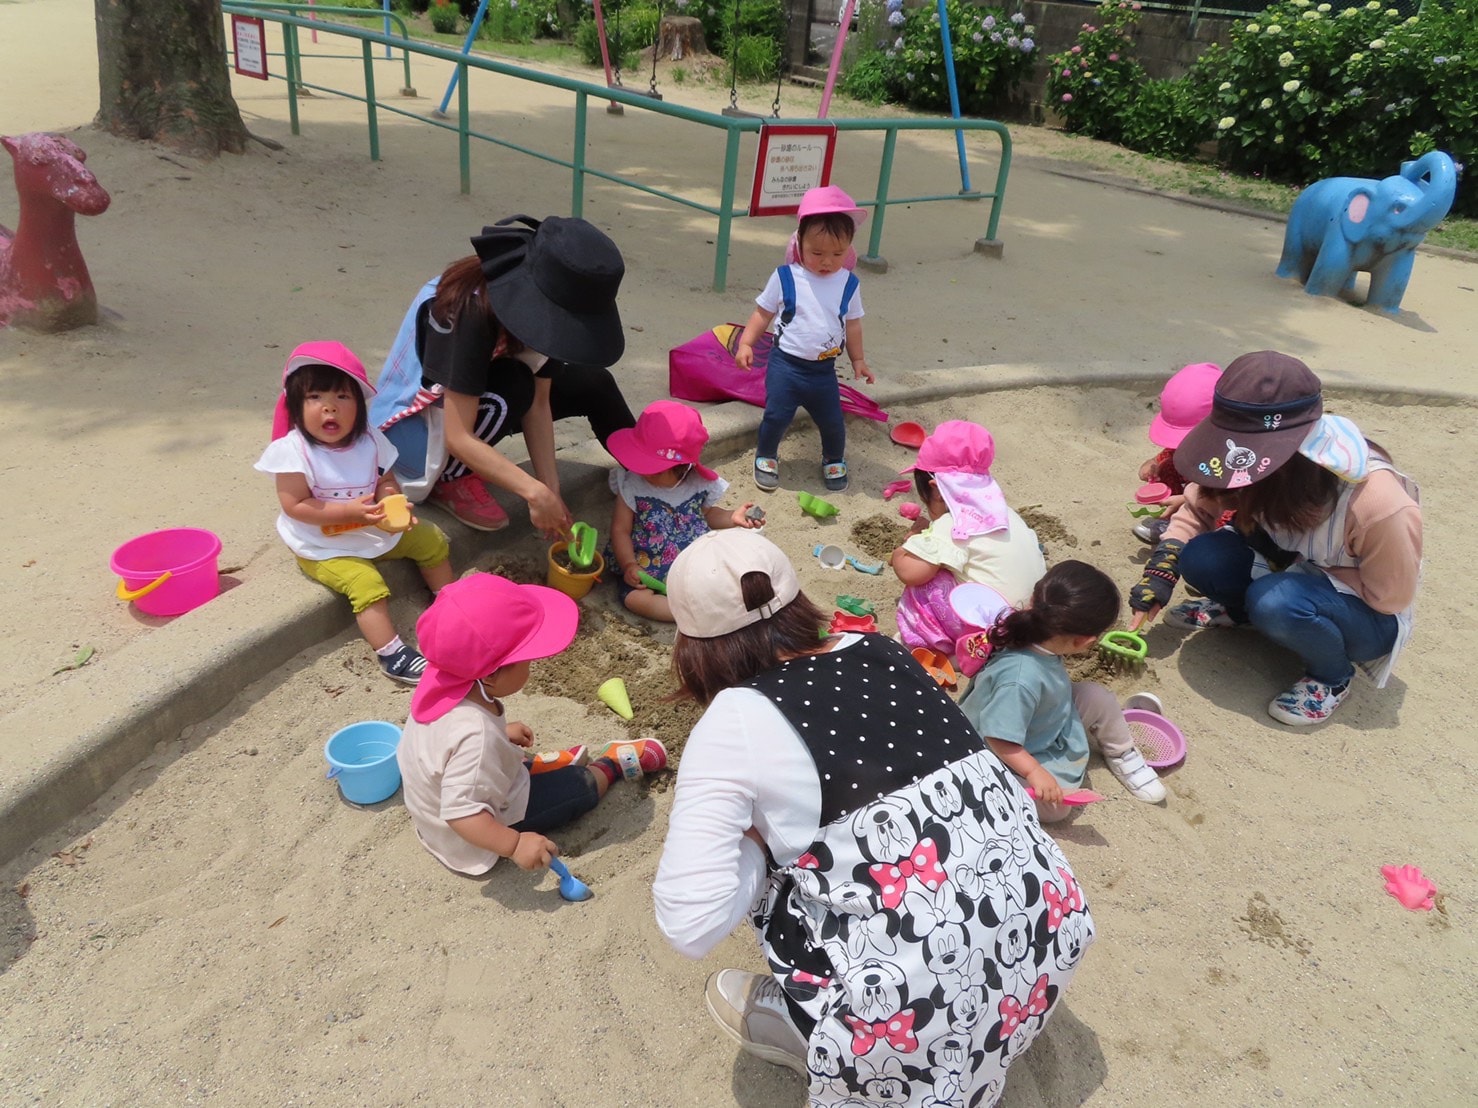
x: 791, y: 161
x: 249, y: 36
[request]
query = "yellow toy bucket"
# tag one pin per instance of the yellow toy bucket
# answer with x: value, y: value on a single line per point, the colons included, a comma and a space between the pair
x: 572, y: 582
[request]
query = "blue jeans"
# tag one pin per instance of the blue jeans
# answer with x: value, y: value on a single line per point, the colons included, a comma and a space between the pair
x: 557, y: 798
x: 1296, y: 609
x: 791, y: 383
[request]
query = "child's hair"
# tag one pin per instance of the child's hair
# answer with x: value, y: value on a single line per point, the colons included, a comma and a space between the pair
x: 922, y: 479
x: 839, y: 225
x: 1072, y: 598
x: 706, y: 667
x: 317, y: 377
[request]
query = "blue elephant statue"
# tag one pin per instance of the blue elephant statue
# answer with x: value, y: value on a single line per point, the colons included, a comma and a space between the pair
x: 1341, y: 225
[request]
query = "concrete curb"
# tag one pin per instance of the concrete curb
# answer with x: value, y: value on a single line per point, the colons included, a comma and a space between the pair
x: 145, y: 697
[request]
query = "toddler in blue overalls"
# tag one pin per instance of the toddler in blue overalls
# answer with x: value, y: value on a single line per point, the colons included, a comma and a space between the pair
x: 820, y: 313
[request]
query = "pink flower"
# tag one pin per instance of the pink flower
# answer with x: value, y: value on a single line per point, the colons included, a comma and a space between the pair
x: 1113, y: 57
x: 1076, y: 50
x: 1067, y: 72
x: 1067, y: 98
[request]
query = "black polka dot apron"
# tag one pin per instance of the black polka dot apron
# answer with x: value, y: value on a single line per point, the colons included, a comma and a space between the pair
x: 925, y: 936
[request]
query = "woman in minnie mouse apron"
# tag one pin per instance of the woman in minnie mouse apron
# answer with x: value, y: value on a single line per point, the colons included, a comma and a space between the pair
x: 918, y: 924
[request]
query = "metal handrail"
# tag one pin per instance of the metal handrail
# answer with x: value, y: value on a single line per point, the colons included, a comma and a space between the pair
x: 257, y: 7
x: 732, y: 126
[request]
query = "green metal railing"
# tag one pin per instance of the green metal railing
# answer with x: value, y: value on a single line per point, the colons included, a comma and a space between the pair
x: 261, y: 8
x: 732, y: 126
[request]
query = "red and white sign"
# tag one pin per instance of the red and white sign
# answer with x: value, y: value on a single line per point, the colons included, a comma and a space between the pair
x: 792, y: 159
x: 249, y: 35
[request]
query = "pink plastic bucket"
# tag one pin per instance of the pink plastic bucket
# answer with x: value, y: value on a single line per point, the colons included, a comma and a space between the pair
x: 167, y: 573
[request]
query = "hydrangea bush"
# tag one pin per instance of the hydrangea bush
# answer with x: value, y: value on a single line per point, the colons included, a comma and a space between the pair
x: 993, y: 52
x: 1302, y: 91
x: 1092, y: 84
x: 1305, y: 91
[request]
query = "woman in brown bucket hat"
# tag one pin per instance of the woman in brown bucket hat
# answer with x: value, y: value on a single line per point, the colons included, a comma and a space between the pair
x: 1323, y: 550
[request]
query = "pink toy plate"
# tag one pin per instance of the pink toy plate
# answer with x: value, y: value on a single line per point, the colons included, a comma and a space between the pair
x: 1411, y: 887
x: 909, y: 433
x: 1159, y: 740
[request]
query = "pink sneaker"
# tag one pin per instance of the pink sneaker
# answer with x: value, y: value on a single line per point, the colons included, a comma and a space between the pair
x: 467, y: 499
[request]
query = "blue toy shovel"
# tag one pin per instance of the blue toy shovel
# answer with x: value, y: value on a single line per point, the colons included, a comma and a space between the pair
x: 570, y: 886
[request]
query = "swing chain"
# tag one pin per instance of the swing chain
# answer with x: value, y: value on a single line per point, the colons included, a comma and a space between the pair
x: 656, y: 38
x: 734, y: 60
x: 617, y: 67
x: 781, y: 63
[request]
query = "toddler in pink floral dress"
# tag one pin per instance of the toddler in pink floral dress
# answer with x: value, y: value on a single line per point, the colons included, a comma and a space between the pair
x: 665, y: 498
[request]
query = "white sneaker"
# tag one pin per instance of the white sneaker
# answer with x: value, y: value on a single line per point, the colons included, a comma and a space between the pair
x: 1146, y: 702
x: 1135, y: 775
x: 751, y: 1010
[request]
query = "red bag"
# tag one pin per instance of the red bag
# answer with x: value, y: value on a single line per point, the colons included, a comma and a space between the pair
x: 704, y: 369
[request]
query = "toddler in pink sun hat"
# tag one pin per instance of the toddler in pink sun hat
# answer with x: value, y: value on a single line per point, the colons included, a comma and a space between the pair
x: 334, y: 477
x: 468, y: 787
x: 1184, y: 402
x: 665, y: 498
x: 816, y: 307
x: 970, y: 535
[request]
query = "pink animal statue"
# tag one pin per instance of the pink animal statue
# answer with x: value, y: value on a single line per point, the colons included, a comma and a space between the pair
x: 44, y: 283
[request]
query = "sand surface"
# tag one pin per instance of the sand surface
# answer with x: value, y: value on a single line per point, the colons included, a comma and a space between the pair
x: 221, y: 927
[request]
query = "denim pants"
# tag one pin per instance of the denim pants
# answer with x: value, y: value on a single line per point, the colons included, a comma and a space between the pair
x: 1297, y: 609
x: 558, y: 797
x: 792, y: 383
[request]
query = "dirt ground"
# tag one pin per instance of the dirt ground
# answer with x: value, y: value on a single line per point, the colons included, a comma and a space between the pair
x: 220, y: 927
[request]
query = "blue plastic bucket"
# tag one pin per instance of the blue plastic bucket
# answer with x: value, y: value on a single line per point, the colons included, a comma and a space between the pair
x: 362, y: 757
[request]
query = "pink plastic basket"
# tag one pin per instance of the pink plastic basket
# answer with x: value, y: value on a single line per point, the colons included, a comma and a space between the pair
x: 1159, y: 740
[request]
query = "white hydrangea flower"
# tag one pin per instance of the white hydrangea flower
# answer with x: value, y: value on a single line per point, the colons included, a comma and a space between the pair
x: 1310, y: 15
x: 1267, y: 102
x: 1277, y: 140
x: 1356, y: 56
x: 1223, y: 86
x: 1372, y: 5
x: 1291, y: 86
x: 1285, y: 59
x: 1275, y: 29
x: 1325, y: 7
x: 1226, y: 123
x: 1378, y: 44
x: 1253, y: 28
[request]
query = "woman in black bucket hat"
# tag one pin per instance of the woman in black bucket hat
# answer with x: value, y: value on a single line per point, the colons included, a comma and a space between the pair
x: 506, y: 341
x: 1323, y: 551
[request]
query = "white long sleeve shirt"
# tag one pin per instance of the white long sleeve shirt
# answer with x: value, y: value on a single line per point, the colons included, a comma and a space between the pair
x: 744, y: 766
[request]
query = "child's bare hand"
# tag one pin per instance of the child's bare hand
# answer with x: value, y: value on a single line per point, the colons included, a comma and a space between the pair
x: 366, y: 510
x: 861, y: 372
x: 741, y: 518
x: 1045, y: 786
x: 632, y: 576
x: 521, y: 734
x: 744, y: 356
x: 1172, y: 504
x: 533, y: 850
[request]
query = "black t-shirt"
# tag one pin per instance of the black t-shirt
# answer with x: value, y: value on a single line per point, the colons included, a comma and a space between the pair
x: 460, y: 358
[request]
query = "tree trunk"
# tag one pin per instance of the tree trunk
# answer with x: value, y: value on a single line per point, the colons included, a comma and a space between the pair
x: 679, y: 36
x: 162, y: 75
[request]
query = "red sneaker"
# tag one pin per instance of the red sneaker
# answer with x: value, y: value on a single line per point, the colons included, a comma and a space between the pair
x: 467, y: 499
x: 637, y: 758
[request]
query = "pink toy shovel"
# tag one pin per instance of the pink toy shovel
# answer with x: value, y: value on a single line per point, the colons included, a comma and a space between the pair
x: 1073, y: 799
